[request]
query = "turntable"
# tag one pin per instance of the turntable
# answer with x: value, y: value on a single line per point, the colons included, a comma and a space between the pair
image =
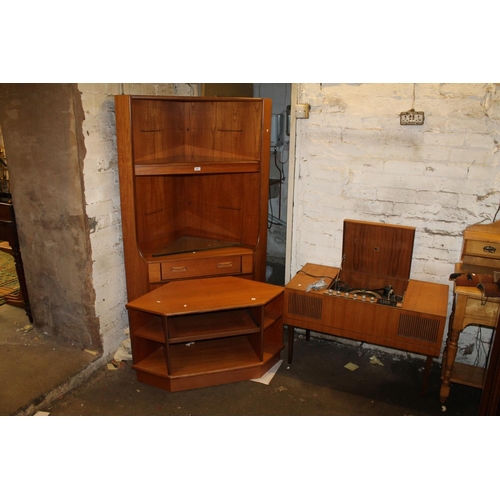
x: 370, y: 296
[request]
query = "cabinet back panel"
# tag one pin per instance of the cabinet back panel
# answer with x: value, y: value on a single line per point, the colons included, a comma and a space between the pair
x: 157, y: 213
x: 155, y: 130
x: 215, y: 207
x: 237, y: 131
x: 173, y: 131
x: 209, y: 206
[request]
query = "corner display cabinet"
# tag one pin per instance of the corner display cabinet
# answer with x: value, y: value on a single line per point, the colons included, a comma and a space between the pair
x: 194, y: 180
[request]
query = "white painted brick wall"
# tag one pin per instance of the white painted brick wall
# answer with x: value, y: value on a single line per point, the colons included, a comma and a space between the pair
x: 102, y: 197
x: 355, y: 161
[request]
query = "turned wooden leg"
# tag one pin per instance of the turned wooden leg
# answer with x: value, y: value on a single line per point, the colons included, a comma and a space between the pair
x: 448, y: 362
x: 291, y: 332
x: 427, y: 372
x: 449, y: 353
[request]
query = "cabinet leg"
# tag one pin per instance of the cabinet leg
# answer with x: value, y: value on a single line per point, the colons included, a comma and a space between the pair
x: 291, y: 332
x: 449, y: 360
x: 308, y: 334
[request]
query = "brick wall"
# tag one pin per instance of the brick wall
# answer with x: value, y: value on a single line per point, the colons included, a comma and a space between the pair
x: 354, y: 160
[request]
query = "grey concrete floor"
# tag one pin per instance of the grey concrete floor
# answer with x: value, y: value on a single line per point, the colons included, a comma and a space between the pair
x: 315, y: 384
x: 33, y: 364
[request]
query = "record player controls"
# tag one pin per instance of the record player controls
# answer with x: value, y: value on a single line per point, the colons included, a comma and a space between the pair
x: 363, y: 297
x: 347, y: 295
x: 355, y: 296
x: 372, y: 299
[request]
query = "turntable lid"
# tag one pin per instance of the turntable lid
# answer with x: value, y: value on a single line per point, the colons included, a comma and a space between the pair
x: 378, y: 249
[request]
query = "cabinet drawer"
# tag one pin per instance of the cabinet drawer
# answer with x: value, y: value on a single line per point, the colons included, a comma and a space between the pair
x: 481, y: 254
x: 487, y: 249
x: 214, y: 266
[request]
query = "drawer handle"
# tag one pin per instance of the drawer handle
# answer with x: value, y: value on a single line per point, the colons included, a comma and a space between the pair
x: 489, y: 249
x: 222, y: 265
x: 179, y: 269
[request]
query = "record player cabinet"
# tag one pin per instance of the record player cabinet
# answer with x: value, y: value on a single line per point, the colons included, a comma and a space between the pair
x: 375, y: 256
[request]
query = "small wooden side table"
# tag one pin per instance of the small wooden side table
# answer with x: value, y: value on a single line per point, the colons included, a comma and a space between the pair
x: 469, y: 308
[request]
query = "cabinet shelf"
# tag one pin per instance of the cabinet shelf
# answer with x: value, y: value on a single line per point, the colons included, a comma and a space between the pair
x: 203, y: 326
x: 212, y: 356
x: 196, y: 168
x: 210, y: 325
x: 472, y: 376
x: 189, y: 246
x: 207, y: 357
x: 151, y: 330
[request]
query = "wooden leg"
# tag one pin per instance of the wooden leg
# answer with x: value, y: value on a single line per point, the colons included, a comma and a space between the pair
x: 449, y: 355
x: 308, y: 334
x: 291, y: 332
x: 449, y: 361
x: 427, y: 371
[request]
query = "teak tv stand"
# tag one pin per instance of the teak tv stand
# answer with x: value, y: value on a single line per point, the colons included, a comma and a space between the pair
x: 205, y: 332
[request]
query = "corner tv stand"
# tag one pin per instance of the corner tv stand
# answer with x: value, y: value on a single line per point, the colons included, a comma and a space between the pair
x: 205, y: 332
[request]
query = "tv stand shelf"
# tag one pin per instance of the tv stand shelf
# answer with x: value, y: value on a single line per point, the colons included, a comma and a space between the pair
x: 204, y: 332
x: 211, y: 325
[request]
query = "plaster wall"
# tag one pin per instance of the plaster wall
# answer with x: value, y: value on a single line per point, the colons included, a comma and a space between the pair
x: 353, y: 160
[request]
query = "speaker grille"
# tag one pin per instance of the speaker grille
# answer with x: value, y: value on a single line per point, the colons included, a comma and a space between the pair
x: 418, y: 328
x: 305, y: 305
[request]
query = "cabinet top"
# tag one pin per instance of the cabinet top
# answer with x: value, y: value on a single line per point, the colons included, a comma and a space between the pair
x: 189, y: 98
x: 489, y: 232
x: 205, y: 295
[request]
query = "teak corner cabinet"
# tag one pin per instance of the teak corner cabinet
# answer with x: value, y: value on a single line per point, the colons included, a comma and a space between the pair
x: 194, y: 181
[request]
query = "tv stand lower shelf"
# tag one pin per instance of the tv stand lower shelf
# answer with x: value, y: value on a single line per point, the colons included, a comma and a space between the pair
x: 153, y: 371
x: 205, y: 332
